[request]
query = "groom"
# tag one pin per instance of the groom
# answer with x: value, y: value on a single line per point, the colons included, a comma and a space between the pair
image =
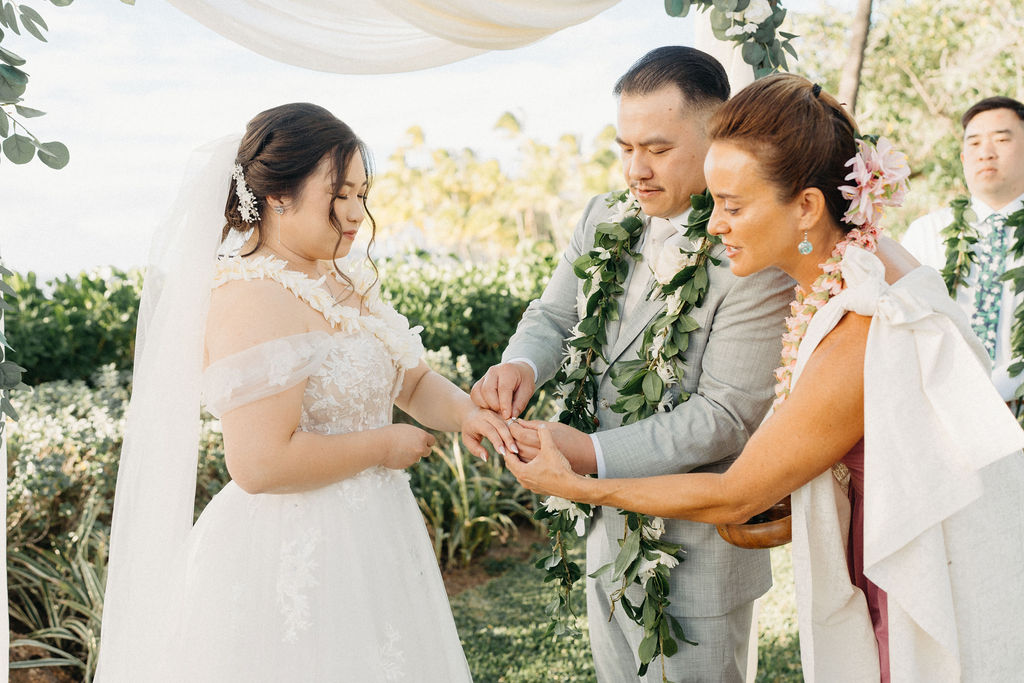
x: 664, y: 103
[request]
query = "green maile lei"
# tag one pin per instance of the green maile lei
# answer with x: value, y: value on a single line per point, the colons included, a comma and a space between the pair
x: 645, y: 387
x: 960, y: 237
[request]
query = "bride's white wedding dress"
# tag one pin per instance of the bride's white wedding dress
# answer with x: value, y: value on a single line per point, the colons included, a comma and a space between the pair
x: 335, y: 584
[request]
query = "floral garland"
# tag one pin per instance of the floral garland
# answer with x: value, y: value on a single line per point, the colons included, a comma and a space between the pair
x: 383, y: 321
x: 959, y: 237
x: 880, y: 175
x: 752, y: 24
x: 644, y: 384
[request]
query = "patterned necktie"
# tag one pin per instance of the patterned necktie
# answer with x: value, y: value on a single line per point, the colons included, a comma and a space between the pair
x: 991, y: 253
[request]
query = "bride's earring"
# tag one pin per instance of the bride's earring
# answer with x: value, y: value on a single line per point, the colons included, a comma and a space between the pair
x: 805, y: 247
x: 279, y: 211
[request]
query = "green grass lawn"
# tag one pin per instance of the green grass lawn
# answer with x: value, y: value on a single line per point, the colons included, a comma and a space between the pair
x: 502, y: 623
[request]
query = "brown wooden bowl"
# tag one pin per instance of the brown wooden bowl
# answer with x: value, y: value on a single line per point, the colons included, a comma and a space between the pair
x: 771, y: 528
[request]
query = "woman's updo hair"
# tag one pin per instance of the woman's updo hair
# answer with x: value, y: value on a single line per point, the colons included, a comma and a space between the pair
x: 801, y: 136
x: 280, y: 150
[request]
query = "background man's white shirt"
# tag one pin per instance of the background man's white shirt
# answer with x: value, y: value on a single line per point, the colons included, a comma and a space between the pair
x: 924, y: 241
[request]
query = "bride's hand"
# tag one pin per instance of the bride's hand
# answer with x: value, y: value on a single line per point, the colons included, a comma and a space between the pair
x: 405, y: 445
x: 547, y: 474
x: 481, y: 423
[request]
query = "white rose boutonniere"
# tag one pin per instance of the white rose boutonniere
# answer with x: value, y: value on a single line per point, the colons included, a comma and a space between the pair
x: 670, y: 262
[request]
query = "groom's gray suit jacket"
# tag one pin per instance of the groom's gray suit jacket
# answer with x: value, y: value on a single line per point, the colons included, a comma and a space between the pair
x: 729, y: 366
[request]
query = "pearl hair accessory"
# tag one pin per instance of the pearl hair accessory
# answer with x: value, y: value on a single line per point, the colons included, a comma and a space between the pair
x: 246, y: 199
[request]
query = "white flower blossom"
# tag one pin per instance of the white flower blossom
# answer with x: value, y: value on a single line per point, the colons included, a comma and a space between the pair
x: 574, y: 332
x: 556, y: 504
x: 664, y: 371
x: 653, y: 529
x: 670, y: 262
x: 734, y: 30
x: 758, y: 11
x: 623, y: 209
x: 658, y: 343
x: 674, y: 303
x: 647, y: 567
x: 665, y: 405
x: 573, y: 359
x: 750, y: 28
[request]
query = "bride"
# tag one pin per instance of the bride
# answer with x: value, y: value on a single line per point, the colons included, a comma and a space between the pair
x: 904, y: 465
x: 312, y: 564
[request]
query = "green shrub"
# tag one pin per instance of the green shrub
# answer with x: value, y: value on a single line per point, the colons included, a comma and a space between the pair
x: 471, y: 308
x: 73, y: 325
x: 63, y: 452
x: 70, y: 326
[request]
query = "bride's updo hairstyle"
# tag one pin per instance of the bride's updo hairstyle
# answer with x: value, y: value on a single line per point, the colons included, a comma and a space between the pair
x: 280, y: 150
x: 800, y: 135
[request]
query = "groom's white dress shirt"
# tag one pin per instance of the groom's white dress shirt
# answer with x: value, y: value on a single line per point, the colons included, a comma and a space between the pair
x: 923, y: 239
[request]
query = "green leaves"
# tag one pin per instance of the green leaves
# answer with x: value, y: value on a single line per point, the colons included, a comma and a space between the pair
x: 10, y: 57
x: 32, y: 22
x: 54, y: 154
x: 21, y: 147
x: 753, y: 53
x: 13, y: 82
x: 677, y: 8
x: 761, y: 49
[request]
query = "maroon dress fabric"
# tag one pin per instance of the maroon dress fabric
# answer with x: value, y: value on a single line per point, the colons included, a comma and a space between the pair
x: 854, y: 460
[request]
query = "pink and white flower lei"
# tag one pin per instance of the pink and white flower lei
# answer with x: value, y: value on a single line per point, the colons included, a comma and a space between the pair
x: 880, y: 175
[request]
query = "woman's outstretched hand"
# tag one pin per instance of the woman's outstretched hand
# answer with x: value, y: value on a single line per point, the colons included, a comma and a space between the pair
x: 547, y: 474
x: 479, y: 424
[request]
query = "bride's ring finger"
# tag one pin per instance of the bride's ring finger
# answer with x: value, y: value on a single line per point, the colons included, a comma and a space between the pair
x: 511, y: 420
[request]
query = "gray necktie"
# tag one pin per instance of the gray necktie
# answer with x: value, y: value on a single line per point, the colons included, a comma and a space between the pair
x: 639, y: 284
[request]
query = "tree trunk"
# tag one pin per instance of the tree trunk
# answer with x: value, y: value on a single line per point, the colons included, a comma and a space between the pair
x: 849, y: 80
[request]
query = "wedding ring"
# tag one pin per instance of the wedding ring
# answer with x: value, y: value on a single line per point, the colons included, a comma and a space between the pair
x: 511, y: 420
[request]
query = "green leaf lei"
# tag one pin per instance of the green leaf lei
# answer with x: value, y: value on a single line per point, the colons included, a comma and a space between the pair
x: 960, y: 237
x: 644, y: 388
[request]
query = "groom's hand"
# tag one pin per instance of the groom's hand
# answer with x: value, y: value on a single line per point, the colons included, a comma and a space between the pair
x: 505, y: 388
x: 577, y: 447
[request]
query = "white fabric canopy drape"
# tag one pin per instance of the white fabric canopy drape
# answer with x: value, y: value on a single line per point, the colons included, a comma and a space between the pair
x: 385, y: 36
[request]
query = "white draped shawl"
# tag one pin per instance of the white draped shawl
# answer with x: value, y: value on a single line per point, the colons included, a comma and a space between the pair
x: 943, y: 502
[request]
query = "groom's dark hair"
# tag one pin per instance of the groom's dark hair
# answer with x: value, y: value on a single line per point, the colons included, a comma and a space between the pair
x: 698, y: 75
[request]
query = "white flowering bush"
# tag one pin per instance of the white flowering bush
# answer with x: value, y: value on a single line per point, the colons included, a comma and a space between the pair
x: 62, y: 450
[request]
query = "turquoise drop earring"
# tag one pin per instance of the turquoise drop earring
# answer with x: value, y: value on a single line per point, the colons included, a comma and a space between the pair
x: 805, y: 247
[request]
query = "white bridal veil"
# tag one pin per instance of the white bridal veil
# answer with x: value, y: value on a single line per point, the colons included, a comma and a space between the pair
x: 153, y: 504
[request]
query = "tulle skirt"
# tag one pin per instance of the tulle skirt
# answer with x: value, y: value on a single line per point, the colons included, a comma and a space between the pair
x: 337, y: 584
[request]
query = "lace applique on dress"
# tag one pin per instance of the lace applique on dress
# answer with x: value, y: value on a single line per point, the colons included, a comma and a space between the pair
x: 297, y: 574
x: 382, y: 320
x: 392, y: 658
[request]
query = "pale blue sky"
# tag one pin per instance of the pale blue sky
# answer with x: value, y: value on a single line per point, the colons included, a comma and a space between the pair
x: 132, y: 90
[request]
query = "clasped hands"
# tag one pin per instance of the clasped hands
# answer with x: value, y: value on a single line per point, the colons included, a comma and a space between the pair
x: 541, y: 453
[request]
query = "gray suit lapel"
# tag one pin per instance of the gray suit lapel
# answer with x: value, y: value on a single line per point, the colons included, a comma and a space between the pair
x: 633, y: 323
